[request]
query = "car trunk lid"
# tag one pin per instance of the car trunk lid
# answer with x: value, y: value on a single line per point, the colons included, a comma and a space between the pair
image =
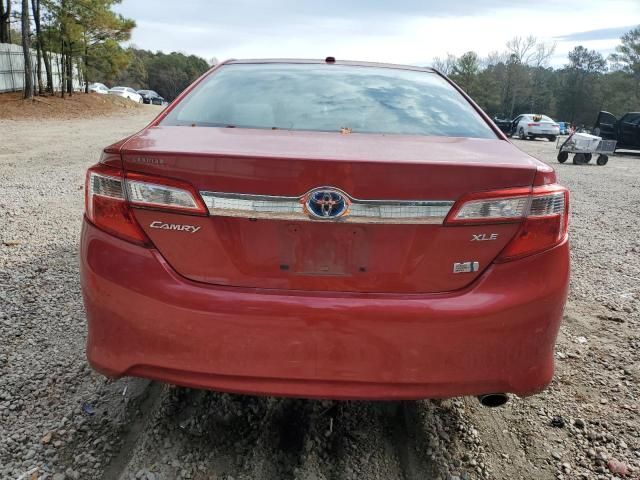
x: 387, y: 256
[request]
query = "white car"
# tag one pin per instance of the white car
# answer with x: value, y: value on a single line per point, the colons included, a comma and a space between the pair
x: 530, y: 125
x: 98, y: 88
x: 126, y: 92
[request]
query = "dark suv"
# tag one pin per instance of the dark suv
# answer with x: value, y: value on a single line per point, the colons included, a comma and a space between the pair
x: 626, y: 130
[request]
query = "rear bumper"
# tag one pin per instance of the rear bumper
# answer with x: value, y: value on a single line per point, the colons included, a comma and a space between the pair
x: 540, y: 133
x: 497, y: 335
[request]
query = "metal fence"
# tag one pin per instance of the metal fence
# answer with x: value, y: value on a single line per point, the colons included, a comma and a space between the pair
x: 12, y: 69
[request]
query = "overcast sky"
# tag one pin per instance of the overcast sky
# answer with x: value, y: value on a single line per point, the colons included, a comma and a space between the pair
x: 400, y: 31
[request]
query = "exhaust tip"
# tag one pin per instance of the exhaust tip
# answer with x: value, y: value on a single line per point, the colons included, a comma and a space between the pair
x: 493, y: 399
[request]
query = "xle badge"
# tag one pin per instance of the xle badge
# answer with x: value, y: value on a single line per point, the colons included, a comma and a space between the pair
x: 466, y: 267
x: 483, y: 237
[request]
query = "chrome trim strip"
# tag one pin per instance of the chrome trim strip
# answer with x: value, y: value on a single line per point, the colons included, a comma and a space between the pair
x: 245, y: 205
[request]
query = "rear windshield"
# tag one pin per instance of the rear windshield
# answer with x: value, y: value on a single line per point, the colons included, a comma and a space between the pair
x: 329, y: 98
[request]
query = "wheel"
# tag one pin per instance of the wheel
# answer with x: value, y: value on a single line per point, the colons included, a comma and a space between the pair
x: 563, y: 156
x: 602, y: 159
x: 552, y: 138
x: 579, y: 159
x: 587, y: 157
x: 521, y: 134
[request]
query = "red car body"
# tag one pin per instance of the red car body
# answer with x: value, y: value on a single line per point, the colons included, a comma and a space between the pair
x: 215, y: 268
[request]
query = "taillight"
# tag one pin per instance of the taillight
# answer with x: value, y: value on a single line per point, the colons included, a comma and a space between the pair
x: 533, y: 124
x: 110, y: 195
x: 542, y: 211
x: 160, y: 193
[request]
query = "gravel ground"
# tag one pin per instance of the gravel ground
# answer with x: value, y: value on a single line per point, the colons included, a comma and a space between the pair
x: 60, y: 420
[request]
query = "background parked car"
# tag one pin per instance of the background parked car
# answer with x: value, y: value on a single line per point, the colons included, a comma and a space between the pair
x: 126, y: 92
x: 564, y: 128
x: 529, y: 126
x: 149, y: 96
x: 98, y: 88
x: 503, y: 124
x: 626, y: 130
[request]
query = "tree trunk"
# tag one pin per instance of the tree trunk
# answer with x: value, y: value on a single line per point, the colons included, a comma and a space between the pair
x: 5, y: 16
x: 39, y: 68
x: 43, y: 48
x: 69, y: 70
x: 86, y: 64
x: 63, y: 62
x: 26, y: 51
x: 35, y: 8
x: 62, y: 68
x: 513, y: 103
x: 49, y: 73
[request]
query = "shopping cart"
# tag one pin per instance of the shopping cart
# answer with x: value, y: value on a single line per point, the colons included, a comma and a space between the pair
x: 584, y: 146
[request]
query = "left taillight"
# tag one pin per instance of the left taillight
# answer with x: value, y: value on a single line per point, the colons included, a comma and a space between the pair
x: 111, y: 194
x: 106, y: 205
x: 159, y: 193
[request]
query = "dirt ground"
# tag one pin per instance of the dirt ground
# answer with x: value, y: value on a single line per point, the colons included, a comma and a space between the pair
x: 60, y: 420
x: 79, y: 105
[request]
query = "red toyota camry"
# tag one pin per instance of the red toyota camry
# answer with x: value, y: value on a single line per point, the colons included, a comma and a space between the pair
x: 325, y: 229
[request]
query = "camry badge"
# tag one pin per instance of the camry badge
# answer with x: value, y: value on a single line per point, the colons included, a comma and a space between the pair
x: 174, y: 226
x: 326, y: 204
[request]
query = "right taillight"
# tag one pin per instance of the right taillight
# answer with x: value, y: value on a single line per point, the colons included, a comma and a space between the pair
x: 542, y: 211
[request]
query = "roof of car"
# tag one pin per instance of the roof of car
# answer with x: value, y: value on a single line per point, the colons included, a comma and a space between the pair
x: 325, y: 61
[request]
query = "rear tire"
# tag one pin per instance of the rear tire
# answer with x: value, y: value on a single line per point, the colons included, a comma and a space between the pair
x: 521, y: 134
x: 552, y: 138
x: 563, y: 156
x: 579, y: 159
x: 588, y: 157
x: 602, y: 159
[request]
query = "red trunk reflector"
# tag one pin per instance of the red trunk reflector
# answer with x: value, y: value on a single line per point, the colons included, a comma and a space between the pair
x: 110, y: 194
x: 543, y: 212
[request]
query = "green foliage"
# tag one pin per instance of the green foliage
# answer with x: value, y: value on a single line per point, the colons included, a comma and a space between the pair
x: 167, y: 74
x: 518, y: 80
x: 579, y: 93
x: 106, y: 61
x: 628, y: 57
